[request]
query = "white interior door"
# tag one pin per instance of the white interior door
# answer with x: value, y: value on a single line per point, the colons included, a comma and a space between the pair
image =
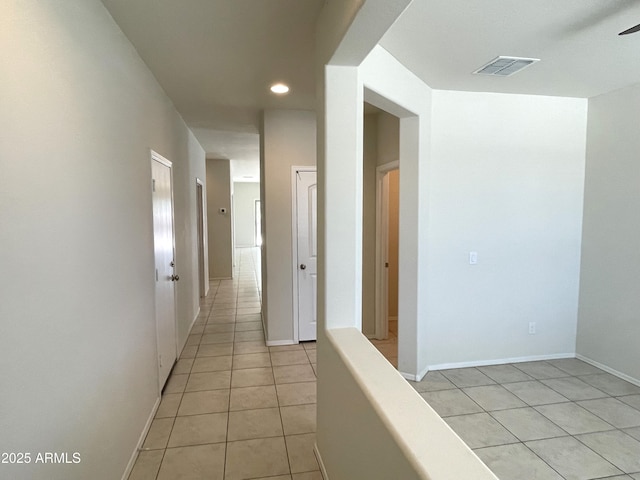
x: 383, y: 301
x: 163, y: 241
x: 306, y: 208
x: 382, y: 248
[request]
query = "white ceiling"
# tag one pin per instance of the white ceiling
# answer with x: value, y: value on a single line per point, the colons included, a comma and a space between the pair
x: 581, y: 54
x: 216, y: 58
x: 243, y: 149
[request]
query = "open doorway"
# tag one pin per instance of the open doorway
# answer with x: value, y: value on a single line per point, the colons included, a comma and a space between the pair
x: 381, y: 235
x: 246, y: 215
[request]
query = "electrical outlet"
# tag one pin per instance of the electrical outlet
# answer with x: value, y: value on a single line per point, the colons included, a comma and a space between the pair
x: 473, y: 258
x: 532, y: 328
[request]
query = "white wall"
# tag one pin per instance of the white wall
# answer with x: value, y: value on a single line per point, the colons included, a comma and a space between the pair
x: 506, y: 180
x: 497, y: 174
x: 390, y: 86
x: 507, y: 175
x: 186, y: 212
x: 340, y: 295
x: 288, y: 139
x: 219, y: 224
x: 388, y: 139
x: 608, y: 326
x: 245, y: 195
x: 80, y: 112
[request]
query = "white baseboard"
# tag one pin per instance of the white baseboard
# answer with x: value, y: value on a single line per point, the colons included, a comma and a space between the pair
x: 408, y: 376
x: 415, y: 378
x: 382, y: 338
x: 501, y: 361
x: 143, y: 435
x: 279, y: 343
x: 323, y: 470
x: 610, y: 370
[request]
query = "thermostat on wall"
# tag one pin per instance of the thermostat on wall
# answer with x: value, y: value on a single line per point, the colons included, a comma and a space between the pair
x: 223, y: 211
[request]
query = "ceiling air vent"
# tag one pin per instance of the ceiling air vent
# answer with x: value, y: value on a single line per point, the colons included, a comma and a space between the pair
x: 505, y: 66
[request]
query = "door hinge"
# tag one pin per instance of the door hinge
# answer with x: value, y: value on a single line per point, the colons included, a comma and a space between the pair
x: 386, y: 264
x: 156, y: 274
x: 160, y: 359
x: 153, y: 184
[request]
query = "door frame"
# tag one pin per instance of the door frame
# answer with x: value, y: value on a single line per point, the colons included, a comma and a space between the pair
x: 382, y: 243
x: 257, y: 222
x: 201, y: 218
x: 294, y: 243
x: 155, y: 156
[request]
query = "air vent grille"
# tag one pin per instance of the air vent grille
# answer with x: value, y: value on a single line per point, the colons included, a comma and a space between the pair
x: 505, y: 66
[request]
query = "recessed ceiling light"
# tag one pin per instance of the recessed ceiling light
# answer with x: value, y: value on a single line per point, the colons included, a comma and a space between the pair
x: 279, y: 88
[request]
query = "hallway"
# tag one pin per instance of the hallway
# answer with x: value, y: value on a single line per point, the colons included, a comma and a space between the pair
x: 234, y: 408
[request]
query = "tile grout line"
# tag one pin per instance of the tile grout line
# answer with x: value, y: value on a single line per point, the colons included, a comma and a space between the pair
x: 284, y: 438
x: 205, y: 316
x: 226, y: 438
x: 566, y: 376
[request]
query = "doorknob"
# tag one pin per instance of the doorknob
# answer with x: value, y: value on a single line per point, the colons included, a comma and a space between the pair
x: 303, y: 266
x: 175, y: 278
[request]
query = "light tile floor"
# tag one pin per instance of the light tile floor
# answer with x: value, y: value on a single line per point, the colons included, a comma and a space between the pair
x: 549, y: 420
x: 234, y: 408
x: 558, y: 419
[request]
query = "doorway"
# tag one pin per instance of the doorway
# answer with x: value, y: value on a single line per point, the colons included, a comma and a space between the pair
x: 246, y: 215
x: 380, y: 230
x: 305, y: 252
x: 165, y: 267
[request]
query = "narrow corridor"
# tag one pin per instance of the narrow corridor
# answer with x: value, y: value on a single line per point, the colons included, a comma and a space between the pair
x: 234, y: 408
